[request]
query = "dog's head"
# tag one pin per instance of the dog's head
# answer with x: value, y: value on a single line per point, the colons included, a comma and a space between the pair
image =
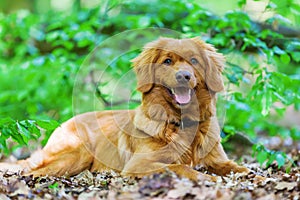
x: 180, y: 66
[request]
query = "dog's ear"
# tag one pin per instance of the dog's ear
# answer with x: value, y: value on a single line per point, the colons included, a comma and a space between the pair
x: 215, y: 63
x: 144, y: 68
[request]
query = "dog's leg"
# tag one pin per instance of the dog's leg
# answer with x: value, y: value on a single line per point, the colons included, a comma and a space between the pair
x: 142, y: 166
x: 188, y: 172
x: 218, y: 163
x: 68, y: 161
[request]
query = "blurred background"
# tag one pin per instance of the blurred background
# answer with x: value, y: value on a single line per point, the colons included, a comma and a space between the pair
x: 43, y: 44
x: 256, y: 9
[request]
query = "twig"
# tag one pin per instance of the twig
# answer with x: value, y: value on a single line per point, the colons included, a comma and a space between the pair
x: 243, y: 70
x: 100, y: 95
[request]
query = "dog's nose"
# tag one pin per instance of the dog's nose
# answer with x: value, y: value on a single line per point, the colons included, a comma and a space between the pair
x: 183, y: 76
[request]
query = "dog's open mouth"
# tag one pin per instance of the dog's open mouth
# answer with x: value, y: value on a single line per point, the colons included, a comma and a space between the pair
x: 182, y: 95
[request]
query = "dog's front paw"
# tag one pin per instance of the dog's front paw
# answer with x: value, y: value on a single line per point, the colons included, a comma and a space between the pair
x: 205, y: 177
x: 241, y: 169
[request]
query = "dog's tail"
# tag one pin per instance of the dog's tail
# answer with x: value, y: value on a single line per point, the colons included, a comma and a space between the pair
x: 12, y: 168
x: 22, y: 166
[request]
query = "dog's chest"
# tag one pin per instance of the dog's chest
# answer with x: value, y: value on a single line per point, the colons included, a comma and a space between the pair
x: 182, y: 142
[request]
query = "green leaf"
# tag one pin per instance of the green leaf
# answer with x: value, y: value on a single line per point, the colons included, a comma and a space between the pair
x: 271, y: 6
x: 295, y: 133
x: 6, y: 120
x: 144, y: 21
x: 285, y: 58
x: 241, y: 3
x: 293, y: 46
x: 229, y: 129
x: 32, y: 128
x: 262, y: 157
x: 48, y: 124
x: 280, y: 158
x: 52, y: 36
x: 296, y: 56
x: 6, y: 132
x: 54, y: 186
x: 3, y: 145
x: 39, y: 61
x: 266, y: 101
x: 280, y: 111
x: 18, y: 138
x: 277, y: 50
x: 24, y: 132
x: 271, y: 158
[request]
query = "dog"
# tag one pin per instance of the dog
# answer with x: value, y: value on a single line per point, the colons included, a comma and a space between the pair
x: 175, y: 126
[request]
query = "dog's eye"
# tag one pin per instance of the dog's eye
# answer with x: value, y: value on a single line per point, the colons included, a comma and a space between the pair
x: 194, y: 61
x: 168, y: 61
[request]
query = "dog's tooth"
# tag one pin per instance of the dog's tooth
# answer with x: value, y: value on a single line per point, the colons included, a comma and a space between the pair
x: 172, y: 90
x: 190, y: 91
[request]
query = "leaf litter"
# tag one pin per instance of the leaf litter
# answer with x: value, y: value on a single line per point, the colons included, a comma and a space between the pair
x: 262, y: 184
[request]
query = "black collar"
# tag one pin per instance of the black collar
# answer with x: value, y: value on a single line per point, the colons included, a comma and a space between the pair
x: 185, y: 123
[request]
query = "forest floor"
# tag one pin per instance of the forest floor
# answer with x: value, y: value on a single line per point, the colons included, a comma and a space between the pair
x: 262, y: 183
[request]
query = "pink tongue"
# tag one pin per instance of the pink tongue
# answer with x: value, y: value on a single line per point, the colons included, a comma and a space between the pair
x: 183, y: 98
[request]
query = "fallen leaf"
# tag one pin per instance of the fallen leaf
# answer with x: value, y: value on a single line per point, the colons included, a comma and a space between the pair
x: 224, y: 194
x: 181, y: 188
x: 243, y: 195
x: 4, y: 197
x: 178, y: 192
x: 259, y: 180
x: 85, y: 178
x: 267, y: 197
x: 285, y: 185
x: 88, y: 195
x: 21, y: 189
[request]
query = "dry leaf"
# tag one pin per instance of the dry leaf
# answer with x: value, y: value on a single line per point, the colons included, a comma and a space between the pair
x: 285, y: 185
x: 268, y: 197
x: 85, y: 178
x: 181, y: 189
x: 22, y: 189
x: 88, y: 196
x: 224, y: 194
x: 178, y: 192
x: 4, y: 197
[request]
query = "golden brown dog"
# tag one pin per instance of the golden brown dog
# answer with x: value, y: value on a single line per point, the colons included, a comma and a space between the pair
x: 175, y: 127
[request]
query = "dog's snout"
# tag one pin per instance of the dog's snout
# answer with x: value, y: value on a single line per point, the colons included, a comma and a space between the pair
x: 183, y: 76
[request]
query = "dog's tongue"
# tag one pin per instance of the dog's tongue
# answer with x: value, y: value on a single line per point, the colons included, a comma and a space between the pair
x: 182, y: 95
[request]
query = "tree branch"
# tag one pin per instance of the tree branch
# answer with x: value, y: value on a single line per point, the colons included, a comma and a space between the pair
x: 100, y: 95
x: 283, y: 30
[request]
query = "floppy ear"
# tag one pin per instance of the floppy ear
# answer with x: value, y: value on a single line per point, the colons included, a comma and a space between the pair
x: 144, y: 68
x: 215, y: 63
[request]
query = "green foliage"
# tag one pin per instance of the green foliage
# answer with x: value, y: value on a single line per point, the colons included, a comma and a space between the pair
x: 54, y: 186
x: 23, y: 131
x: 42, y: 54
x: 266, y: 157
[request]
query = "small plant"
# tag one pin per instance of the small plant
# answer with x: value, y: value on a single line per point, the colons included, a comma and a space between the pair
x: 266, y: 157
x: 23, y: 131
